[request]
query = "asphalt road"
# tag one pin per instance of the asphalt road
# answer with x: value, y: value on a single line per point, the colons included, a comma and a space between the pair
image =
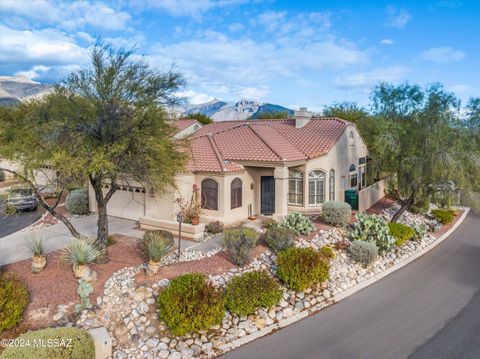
x: 12, y: 223
x: 430, y: 309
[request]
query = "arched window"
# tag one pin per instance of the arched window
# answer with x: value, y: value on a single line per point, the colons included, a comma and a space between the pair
x: 316, y: 187
x: 351, y: 135
x: 331, y: 185
x: 353, y: 175
x: 295, y: 188
x: 210, y: 194
x: 236, y: 193
x: 352, y: 168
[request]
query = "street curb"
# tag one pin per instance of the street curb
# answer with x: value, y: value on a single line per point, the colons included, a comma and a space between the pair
x: 346, y: 293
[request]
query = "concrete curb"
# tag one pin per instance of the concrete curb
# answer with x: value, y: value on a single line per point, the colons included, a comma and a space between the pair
x: 346, y: 293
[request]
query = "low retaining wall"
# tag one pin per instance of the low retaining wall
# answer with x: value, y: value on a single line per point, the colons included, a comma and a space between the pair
x: 370, y: 195
x: 188, y: 230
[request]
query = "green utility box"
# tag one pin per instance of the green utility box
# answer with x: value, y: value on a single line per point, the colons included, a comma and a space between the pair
x: 351, y: 197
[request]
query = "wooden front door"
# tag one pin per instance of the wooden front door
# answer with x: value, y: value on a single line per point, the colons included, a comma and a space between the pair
x: 268, y: 195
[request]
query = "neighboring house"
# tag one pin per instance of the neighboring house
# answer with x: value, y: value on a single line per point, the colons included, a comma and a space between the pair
x: 245, y: 168
x: 187, y: 127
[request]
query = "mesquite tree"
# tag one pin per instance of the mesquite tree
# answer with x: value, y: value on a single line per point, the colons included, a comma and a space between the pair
x: 106, y: 124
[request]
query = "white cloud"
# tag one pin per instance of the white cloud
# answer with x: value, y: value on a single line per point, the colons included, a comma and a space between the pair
x: 235, y: 27
x: 283, y: 23
x: 34, y: 72
x: 442, y: 55
x: 194, y: 8
x: 237, y: 66
x: 40, y: 46
x: 367, y: 79
x: 397, y: 17
x: 68, y: 15
x: 195, y: 98
x: 252, y: 93
x: 386, y: 42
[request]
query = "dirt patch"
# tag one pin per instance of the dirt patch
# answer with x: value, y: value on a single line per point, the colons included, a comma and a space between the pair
x: 216, y: 264
x: 57, y: 285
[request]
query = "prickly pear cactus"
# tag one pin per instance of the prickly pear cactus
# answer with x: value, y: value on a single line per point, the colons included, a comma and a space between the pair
x: 373, y: 229
x: 84, y: 290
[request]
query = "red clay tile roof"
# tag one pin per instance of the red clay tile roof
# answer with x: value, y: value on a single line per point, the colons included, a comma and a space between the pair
x: 215, y: 146
x: 184, y: 123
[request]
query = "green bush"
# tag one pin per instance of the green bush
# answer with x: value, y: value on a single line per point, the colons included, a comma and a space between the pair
x: 13, y: 300
x: 77, y: 201
x: 420, y: 232
x: 155, y: 244
x: 373, y: 229
x: 214, y: 227
x: 239, y: 242
x: 280, y: 238
x: 336, y: 213
x: 421, y: 206
x: 328, y: 252
x: 298, y: 223
x: 268, y: 223
x: 363, y: 252
x: 190, y: 303
x: 401, y: 232
x: 66, y: 343
x: 444, y: 216
x: 246, y: 293
x: 301, y: 268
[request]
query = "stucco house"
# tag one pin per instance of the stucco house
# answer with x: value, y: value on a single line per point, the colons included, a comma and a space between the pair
x: 261, y: 167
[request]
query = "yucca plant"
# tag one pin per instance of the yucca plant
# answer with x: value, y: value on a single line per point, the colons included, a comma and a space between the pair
x: 153, y: 247
x: 81, y: 253
x: 35, y: 245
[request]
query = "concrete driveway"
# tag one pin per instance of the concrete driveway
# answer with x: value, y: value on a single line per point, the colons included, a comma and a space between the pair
x: 428, y: 309
x: 14, y: 246
x: 12, y: 223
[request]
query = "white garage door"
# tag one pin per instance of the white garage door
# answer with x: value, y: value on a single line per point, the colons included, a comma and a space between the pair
x: 127, y: 202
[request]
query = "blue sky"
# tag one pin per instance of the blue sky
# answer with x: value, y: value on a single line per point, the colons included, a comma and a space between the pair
x: 293, y: 53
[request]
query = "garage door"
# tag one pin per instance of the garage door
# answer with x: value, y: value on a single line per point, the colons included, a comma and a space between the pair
x: 127, y: 202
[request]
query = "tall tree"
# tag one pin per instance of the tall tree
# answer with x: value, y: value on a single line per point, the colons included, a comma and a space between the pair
x: 421, y: 144
x: 106, y: 124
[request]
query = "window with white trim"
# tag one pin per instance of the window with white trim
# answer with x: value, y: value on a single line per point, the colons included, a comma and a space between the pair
x: 295, y: 188
x: 316, y: 187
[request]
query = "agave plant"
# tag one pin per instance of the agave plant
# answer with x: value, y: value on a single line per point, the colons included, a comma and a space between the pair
x: 35, y: 245
x: 153, y: 247
x: 80, y: 253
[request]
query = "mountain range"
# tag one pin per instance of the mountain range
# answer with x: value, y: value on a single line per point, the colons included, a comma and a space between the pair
x: 222, y: 111
x: 18, y: 88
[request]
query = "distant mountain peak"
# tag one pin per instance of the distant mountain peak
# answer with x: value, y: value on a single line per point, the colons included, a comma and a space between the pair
x: 220, y: 110
x: 14, y: 89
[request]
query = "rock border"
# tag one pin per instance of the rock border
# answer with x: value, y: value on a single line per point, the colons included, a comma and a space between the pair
x: 346, y: 293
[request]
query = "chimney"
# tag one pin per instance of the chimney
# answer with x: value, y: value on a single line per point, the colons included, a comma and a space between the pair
x: 302, y: 116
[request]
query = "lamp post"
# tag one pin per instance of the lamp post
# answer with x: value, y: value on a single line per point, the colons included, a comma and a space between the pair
x: 179, y: 220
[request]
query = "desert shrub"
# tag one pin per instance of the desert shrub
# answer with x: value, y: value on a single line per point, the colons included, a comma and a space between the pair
x: 2, y: 175
x: 298, y: 223
x: 336, y: 213
x: 239, y: 242
x: 421, y: 206
x: 77, y: 201
x: 13, y: 301
x: 80, y: 252
x: 279, y: 238
x: 110, y: 241
x: 73, y: 343
x: 420, y: 232
x: 373, y: 229
x: 214, y: 227
x: 328, y: 252
x: 401, y: 232
x: 268, y: 223
x: 190, y: 303
x: 301, y: 268
x: 444, y: 216
x: 363, y: 252
x: 250, y: 291
x: 155, y: 245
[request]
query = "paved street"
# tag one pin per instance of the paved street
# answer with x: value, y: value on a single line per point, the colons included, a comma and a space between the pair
x: 13, y: 223
x: 428, y: 309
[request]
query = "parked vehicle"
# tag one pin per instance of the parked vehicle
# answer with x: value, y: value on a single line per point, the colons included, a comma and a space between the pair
x: 21, y: 198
